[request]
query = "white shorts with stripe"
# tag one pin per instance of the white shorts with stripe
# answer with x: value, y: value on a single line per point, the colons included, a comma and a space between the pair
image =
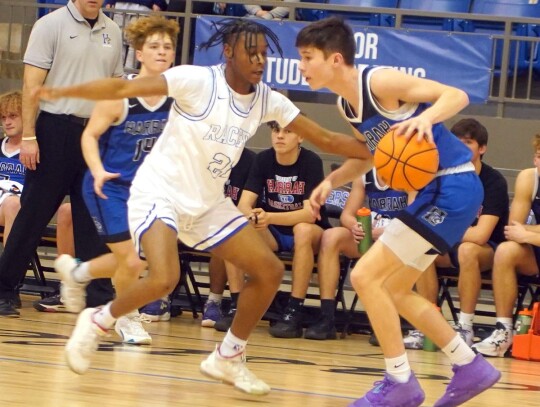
x: 201, y: 232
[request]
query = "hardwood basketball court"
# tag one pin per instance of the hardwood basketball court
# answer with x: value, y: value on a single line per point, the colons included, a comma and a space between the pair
x: 301, y: 372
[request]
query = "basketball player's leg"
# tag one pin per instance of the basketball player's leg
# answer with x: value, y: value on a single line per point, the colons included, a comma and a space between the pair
x: 264, y: 270
x: 307, y: 240
x: 161, y: 249
x: 9, y: 208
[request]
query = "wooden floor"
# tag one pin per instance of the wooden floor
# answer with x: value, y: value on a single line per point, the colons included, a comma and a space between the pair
x: 301, y: 372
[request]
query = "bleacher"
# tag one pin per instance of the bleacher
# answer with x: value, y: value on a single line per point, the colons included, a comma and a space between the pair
x: 515, y: 24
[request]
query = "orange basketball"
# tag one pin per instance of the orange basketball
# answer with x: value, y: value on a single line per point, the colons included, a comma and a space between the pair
x: 406, y: 165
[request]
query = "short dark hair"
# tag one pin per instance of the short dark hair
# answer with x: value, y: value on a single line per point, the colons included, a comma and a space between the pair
x: 274, y: 126
x: 329, y: 35
x: 471, y: 128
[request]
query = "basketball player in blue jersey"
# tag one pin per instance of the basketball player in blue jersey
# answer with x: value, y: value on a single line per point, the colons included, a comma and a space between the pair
x: 119, y: 136
x: 374, y: 101
x: 385, y: 204
x: 178, y: 190
x: 11, y: 169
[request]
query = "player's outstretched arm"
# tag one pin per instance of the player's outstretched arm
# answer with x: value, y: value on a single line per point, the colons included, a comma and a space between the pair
x: 108, y: 89
x: 328, y: 141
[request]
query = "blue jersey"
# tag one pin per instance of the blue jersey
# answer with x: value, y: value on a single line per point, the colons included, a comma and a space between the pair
x: 373, y: 122
x: 385, y: 201
x: 125, y: 144
x: 11, y: 167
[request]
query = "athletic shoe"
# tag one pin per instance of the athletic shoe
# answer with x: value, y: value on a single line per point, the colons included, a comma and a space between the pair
x: 225, y: 322
x: 414, y: 340
x: 8, y: 309
x: 387, y: 392
x: 497, y: 344
x: 466, y: 334
x: 289, y: 326
x: 129, y: 328
x: 73, y: 293
x: 233, y: 371
x: 468, y: 381
x: 84, y: 341
x: 323, y: 329
x: 159, y: 310
x: 373, y: 341
x: 211, y: 314
x: 50, y: 304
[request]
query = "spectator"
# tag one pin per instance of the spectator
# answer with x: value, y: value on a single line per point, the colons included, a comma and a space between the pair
x: 116, y: 141
x: 217, y: 268
x: 474, y: 255
x: 11, y: 170
x: 72, y: 44
x: 384, y: 203
x: 275, y: 200
x: 268, y: 13
x: 123, y: 19
x: 520, y: 254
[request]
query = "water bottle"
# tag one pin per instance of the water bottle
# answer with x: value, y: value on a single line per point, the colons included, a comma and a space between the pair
x: 523, y: 323
x: 363, y: 216
x: 429, y: 345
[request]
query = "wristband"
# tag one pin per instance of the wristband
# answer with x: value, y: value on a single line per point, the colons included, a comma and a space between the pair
x: 29, y: 138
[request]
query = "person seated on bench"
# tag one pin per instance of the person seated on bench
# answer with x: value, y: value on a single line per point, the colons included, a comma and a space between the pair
x: 217, y: 268
x: 384, y: 203
x: 474, y: 255
x: 276, y: 201
x: 11, y: 169
x: 520, y: 254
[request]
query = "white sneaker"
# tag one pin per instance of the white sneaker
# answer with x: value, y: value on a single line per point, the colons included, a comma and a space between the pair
x: 73, y: 294
x: 233, y: 371
x: 497, y: 344
x: 84, y: 341
x: 466, y: 334
x: 414, y: 340
x: 130, y: 329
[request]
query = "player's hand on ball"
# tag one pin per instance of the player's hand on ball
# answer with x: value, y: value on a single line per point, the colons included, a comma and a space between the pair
x: 419, y: 125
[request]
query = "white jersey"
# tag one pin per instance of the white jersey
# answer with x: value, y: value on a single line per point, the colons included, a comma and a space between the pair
x: 208, y: 127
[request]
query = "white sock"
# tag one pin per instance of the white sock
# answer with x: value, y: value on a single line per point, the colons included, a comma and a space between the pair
x: 466, y: 320
x: 507, y: 322
x: 231, y: 345
x: 215, y: 297
x: 81, y: 273
x: 104, y: 318
x: 458, y: 351
x: 399, y: 368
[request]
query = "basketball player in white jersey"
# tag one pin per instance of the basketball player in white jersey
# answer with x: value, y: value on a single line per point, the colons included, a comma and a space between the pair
x: 178, y: 191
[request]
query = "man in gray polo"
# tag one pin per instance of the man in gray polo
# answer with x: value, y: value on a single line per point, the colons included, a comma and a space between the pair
x: 73, y: 44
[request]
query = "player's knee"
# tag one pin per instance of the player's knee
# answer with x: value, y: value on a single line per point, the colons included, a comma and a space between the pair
x: 507, y: 254
x: 468, y: 253
x: 359, y: 280
x: 11, y: 206
x: 303, y: 233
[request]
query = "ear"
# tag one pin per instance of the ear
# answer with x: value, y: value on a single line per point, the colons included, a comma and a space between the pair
x: 337, y: 58
x: 227, y: 51
x: 138, y: 55
x: 482, y: 150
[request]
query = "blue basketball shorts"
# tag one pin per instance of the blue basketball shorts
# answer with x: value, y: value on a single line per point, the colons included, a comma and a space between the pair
x: 444, y: 209
x: 109, y: 215
x: 285, y: 242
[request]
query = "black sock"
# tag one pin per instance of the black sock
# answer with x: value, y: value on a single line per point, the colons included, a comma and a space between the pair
x: 328, y: 308
x: 296, y: 303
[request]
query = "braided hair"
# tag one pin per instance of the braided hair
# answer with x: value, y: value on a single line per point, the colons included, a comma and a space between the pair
x: 229, y: 30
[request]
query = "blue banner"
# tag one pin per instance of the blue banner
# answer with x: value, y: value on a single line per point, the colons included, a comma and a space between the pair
x: 457, y: 59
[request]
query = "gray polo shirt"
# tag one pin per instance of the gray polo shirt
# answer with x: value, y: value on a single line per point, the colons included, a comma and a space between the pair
x: 63, y: 43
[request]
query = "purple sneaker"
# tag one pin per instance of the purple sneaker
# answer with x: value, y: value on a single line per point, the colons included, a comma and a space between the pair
x: 390, y: 393
x: 159, y: 310
x: 468, y: 381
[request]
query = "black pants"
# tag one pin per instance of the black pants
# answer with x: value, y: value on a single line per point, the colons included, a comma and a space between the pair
x: 60, y: 172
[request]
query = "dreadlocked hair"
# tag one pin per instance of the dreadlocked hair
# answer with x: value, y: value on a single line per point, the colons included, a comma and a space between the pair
x: 229, y: 30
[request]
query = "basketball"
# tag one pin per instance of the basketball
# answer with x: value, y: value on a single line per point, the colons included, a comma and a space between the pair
x: 406, y: 165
